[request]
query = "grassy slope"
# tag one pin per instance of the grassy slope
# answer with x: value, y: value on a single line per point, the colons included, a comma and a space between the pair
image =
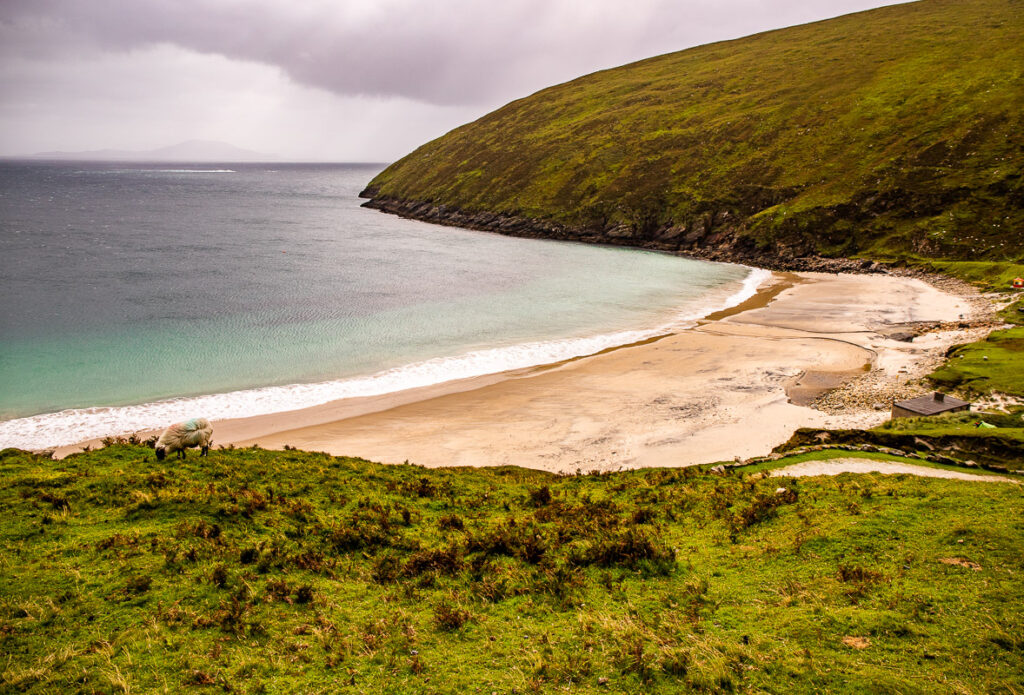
x: 1008, y: 426
x: 993, y: 364
x: 954, y: 437
x: 986, y: 275
x: 287, y: 571
x: 893, y: 133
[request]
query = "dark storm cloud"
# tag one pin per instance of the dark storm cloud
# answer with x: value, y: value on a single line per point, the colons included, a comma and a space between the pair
x: 442, y: 52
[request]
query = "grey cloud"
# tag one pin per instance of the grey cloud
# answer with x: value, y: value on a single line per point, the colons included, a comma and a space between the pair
x: 445, y: 52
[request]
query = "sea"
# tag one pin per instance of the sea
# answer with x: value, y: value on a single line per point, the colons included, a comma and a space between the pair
x: 137, y: 295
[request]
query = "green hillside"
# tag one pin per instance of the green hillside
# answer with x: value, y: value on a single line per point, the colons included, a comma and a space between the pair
x: 257, y: 571
x: 893, y: 133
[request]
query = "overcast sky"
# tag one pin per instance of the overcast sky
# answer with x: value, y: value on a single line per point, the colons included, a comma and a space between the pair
x: 335, y: 80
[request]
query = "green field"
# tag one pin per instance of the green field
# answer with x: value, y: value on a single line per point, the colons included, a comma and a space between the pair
x: 994, y: 364
x: 255, y: 571
x: 892, y: 134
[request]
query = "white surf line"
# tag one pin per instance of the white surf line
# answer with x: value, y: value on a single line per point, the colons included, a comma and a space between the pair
x: 859, y: 465
x: 74, y: 425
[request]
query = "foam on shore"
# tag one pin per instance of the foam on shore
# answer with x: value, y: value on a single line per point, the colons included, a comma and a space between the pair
x: 67, y: 427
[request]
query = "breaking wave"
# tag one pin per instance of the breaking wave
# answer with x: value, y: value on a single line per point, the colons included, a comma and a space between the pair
x: 79, y: 424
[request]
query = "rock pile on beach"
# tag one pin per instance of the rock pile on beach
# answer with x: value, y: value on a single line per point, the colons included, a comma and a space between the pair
x: 877, y: 390
x: 874, y: 391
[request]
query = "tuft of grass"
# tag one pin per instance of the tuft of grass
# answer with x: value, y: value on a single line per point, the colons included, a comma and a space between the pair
x: 450, y: 616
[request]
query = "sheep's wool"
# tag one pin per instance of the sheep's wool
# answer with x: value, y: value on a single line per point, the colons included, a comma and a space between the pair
x: 194, y: 432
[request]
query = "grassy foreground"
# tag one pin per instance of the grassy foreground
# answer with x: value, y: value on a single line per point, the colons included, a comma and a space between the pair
x: 259, y: 571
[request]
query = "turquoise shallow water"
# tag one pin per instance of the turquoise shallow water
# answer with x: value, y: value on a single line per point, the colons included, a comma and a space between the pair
x: 138, y: 295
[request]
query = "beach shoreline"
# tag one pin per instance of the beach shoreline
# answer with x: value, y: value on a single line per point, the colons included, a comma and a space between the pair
x: 727, y: 388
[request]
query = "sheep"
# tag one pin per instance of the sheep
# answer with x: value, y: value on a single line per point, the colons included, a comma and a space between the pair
x: 194, y: 432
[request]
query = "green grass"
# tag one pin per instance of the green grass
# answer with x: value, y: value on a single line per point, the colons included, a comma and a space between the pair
x: 996, y: 363
x: 993, y: 364
x: 889, y: 134
x: 1009, y: 425
x: 1014, y: 313
x: 983, y: 274
x: 953, y: 437
x: 258, y: 571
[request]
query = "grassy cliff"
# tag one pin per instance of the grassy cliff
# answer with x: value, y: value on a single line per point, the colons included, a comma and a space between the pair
x: 255, y: 571
x: 888, y: 134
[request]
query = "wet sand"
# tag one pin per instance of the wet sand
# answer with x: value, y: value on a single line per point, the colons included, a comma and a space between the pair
x: 718, y: 391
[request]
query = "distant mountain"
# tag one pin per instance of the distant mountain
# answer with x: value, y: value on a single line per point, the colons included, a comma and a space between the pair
x: 188, y: 151
x: 889, y: 134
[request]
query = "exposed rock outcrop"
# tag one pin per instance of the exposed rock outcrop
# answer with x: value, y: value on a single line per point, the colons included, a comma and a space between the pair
x: 714, y: 240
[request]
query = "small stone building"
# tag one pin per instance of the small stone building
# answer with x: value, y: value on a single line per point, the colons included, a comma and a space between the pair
x: 932, y: 404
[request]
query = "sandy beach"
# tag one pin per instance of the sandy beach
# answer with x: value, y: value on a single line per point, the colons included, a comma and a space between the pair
x: 736, y: 385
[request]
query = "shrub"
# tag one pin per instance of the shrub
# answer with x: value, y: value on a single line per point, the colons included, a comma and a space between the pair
x: 139, y: 584
x: 540, y: 497
x: 421, y: 488
x: 365, y: 529
x: 633, y: 548
x: 219, y: 576
x: 644, y: 515
x: 449, y: 616
x: 857, y: 574
x: 385, y: 569
x: 447, y: 561
x: 450, y: 522
x: 56, y: 501
x: 199, y: 529
x: 526, y: 542
x: 763, y: 507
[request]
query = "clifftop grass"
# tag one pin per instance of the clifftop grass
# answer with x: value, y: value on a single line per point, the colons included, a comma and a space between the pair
x: 255, y: 571
x: 890, y: 134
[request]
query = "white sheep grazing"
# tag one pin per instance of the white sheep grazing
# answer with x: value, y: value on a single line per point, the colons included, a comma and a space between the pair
x: 194, y: 432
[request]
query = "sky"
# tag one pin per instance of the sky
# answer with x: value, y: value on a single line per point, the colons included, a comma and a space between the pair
x: 324, y: 80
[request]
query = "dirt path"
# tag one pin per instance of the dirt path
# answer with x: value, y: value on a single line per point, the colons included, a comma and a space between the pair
x: 859, y: 465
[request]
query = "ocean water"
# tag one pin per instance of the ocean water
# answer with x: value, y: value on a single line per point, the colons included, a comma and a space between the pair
x: 135, y: 295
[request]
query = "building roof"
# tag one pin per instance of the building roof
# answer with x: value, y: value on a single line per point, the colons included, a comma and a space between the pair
x: 932, y: 404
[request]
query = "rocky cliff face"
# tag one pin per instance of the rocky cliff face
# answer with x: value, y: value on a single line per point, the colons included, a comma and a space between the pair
x: 710, y: 239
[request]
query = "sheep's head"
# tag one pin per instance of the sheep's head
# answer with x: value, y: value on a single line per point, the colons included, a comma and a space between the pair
x: 161, y: 452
